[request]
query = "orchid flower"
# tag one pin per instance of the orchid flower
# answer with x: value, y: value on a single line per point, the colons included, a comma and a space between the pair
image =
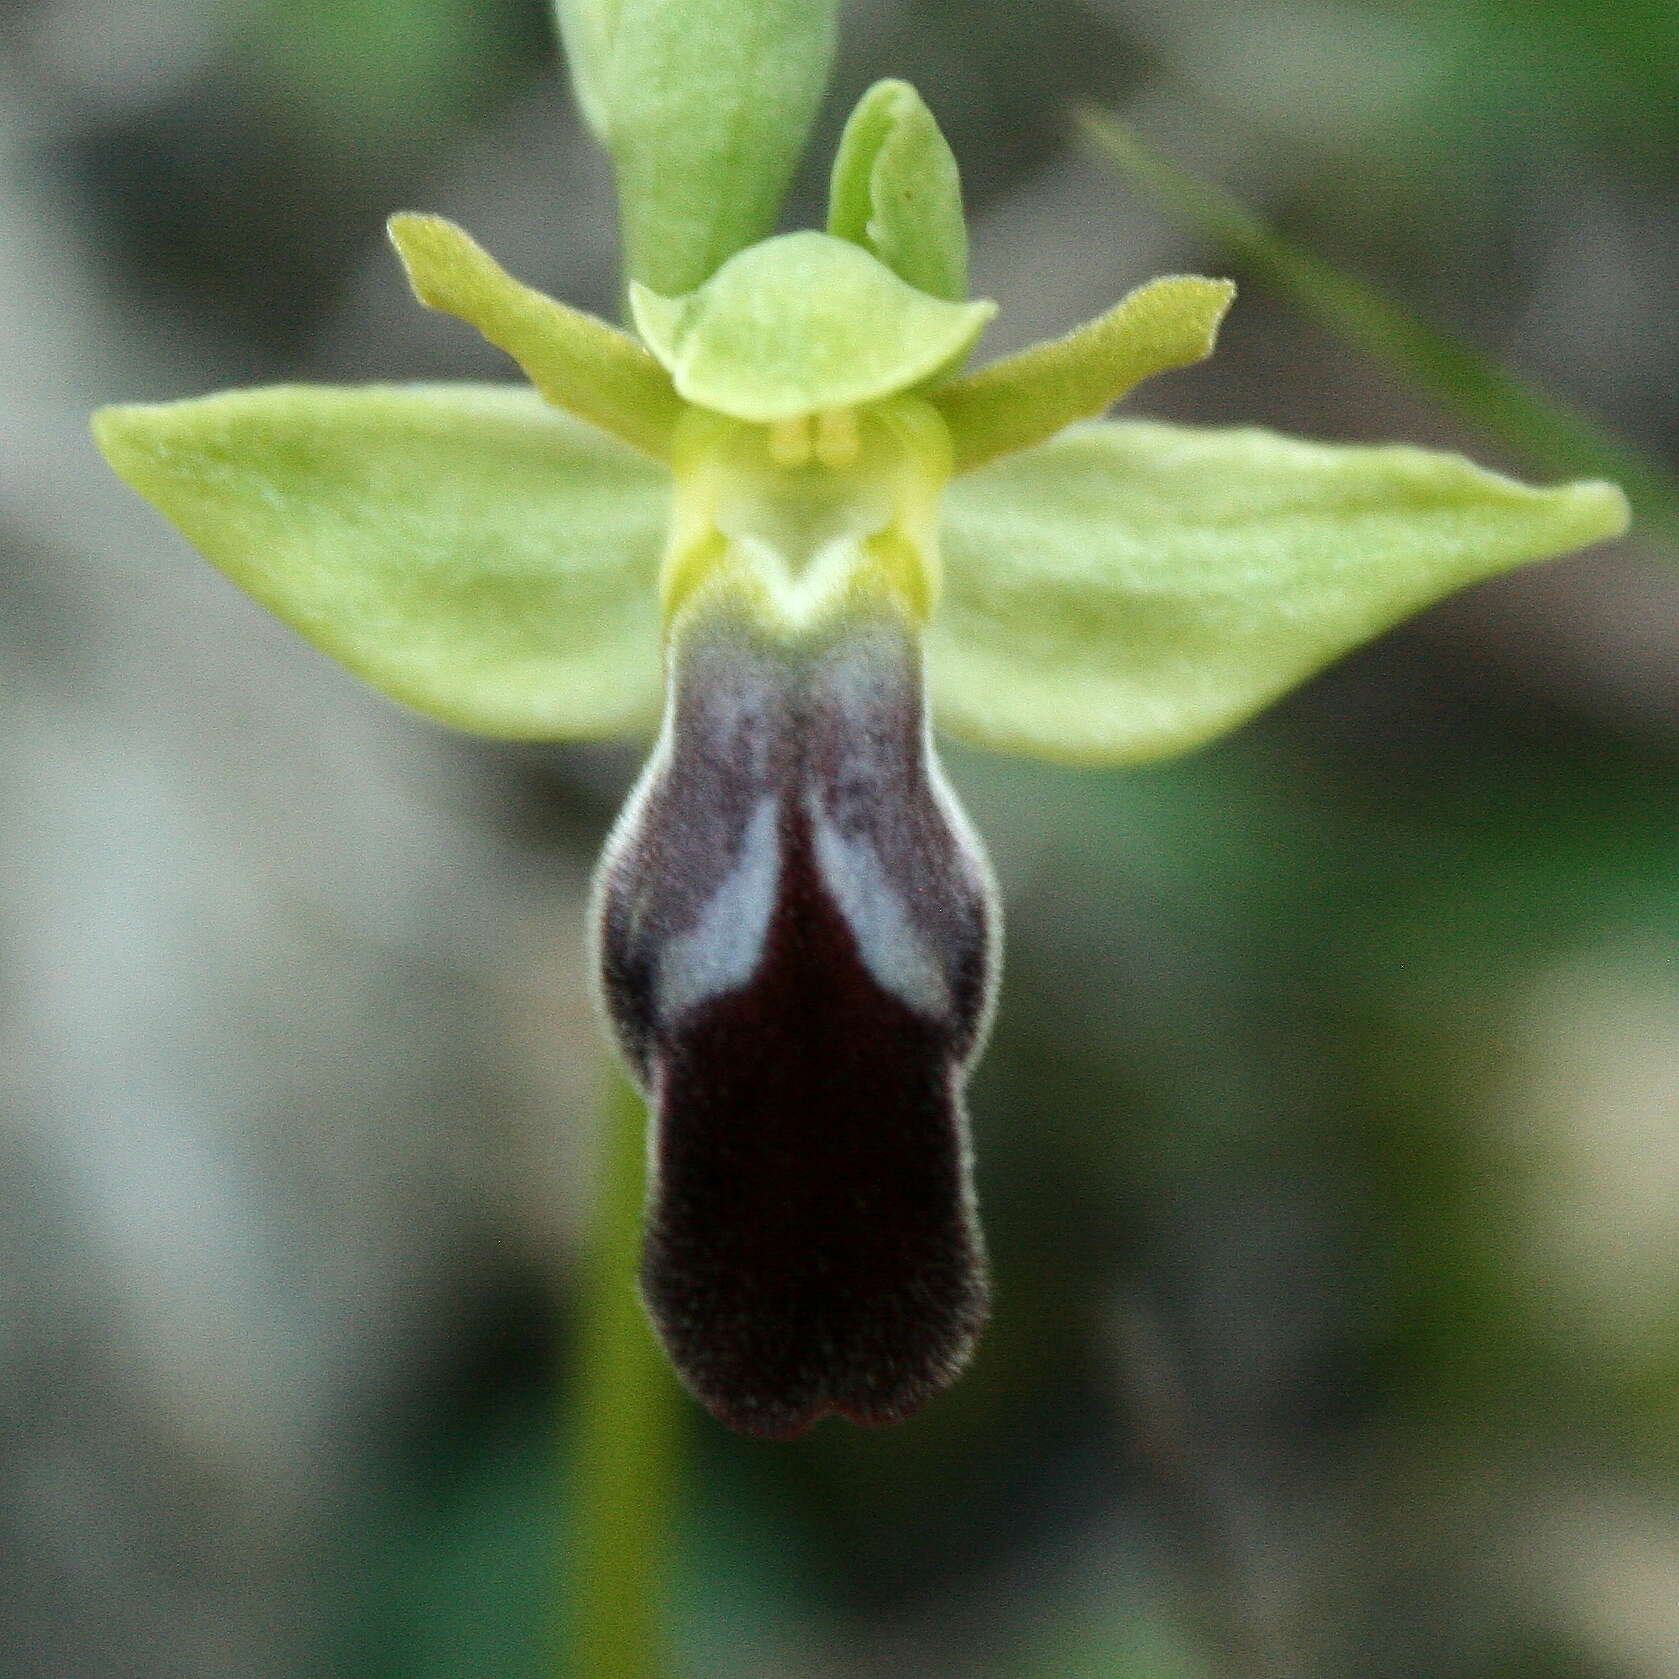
x: 783, y: 519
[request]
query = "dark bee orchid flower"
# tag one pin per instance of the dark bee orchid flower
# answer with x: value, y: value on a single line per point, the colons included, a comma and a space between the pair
x: 783, y: 517
x: 797, y: 948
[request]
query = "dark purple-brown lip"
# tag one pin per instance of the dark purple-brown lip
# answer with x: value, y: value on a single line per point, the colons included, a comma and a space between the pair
x: 797, y: 941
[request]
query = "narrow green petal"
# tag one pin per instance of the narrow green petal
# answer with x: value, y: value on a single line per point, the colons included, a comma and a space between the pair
x: 799, y: 324
x: 704, y: 106
x: 576, y: 361
x: 896, y: 191
x: 1132, y: 590
x: 1027, y: 398
x: 463, y: 548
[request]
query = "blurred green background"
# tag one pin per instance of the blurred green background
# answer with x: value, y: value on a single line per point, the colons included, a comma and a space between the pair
x: 1327, y: 1138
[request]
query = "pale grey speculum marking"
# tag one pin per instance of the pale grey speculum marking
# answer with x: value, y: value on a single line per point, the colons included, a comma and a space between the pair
x: 722, y: 950
x: 844, y: 812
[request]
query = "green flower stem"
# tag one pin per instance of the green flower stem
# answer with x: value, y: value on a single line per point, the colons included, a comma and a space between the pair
x: 623, y: 1417
x: 1519, y: 415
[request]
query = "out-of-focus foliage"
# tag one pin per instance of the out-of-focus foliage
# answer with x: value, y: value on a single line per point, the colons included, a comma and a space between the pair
x: 1327, y: 1137
x: 1509, y: 412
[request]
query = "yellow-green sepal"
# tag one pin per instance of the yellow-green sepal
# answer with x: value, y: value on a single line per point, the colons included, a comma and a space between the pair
x: 465, y: 549
x: 1026, y: 398
x: 801, y: 324
x: 1131, y: 590
x: 896, y: 191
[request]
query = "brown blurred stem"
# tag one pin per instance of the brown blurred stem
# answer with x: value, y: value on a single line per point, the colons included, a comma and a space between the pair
x: 1517, y: 415
x: 622, y: 1416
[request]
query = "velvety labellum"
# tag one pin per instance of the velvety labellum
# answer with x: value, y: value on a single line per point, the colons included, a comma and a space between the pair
x: 796, y: 937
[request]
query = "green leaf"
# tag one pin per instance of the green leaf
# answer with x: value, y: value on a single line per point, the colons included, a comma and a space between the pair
x: 1132, y: 590
x: 799, y: 324
x: 463, y: 548
x: 1521, y: 416
x: 896, y: 192
x: 577, y: 362
x: 704, y: 106
x: 1026, y: 398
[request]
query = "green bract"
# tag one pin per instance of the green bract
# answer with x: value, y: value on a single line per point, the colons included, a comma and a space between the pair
x: 704, y: 107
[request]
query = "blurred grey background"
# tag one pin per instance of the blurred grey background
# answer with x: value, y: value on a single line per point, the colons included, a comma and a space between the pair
x: 1328, y: 1135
